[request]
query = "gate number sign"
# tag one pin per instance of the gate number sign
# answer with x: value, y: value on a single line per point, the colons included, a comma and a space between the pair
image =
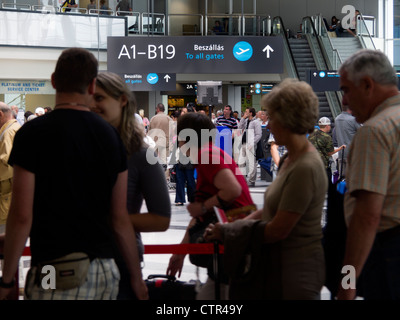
x: 185, y: 54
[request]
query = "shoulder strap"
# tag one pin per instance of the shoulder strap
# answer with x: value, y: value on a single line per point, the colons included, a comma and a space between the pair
x: 9, y: 125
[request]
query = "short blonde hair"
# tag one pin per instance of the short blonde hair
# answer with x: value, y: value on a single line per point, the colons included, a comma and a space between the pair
x: 294, y: 104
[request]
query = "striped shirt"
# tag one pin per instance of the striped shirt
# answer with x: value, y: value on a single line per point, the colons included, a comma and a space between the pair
x: 231, y: 122
x: 374, y: 162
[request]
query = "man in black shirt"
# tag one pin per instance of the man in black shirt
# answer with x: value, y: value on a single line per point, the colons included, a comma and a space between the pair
x: 69, y: 195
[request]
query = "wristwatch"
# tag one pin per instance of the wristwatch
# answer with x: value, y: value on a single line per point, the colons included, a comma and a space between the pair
x: 6, y: 285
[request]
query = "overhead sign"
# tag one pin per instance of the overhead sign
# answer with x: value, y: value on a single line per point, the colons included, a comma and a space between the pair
x: 149, y: 81
x: 214, y: 54
x: 26, y: 87
x: 260, y: 88
x: 182, y: 89
x: 328, y: 80
x: 324, y: 80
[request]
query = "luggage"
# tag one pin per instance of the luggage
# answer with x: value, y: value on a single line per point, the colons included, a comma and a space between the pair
x: 164, y: 287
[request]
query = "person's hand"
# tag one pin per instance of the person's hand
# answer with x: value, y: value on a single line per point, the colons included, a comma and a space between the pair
x: 343, y: 146
x: 175, y: 265
x: 140, y: 289
x: 214, y: 232
x: 195, y: 209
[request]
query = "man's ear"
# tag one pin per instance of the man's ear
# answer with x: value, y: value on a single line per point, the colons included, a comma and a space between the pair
x: 367, y: 84
x: 52, y: 81
x: 92, y: 87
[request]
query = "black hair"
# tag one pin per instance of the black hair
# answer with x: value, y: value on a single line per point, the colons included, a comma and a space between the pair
x: 197, y: 122
x: 76, y: 68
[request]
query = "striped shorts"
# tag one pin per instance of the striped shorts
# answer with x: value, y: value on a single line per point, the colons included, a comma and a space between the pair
x: 101, y: 284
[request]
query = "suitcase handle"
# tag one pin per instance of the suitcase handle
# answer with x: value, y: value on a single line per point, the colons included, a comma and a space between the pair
x: 164, y: 276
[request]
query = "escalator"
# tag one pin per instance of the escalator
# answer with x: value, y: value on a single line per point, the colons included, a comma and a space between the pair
x: 304, y: 54
x: 338, y: 49
x: 304, y: 61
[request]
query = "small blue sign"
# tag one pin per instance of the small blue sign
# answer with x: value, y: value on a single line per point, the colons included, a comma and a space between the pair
x: 242, y: 51
x: 152, y: 78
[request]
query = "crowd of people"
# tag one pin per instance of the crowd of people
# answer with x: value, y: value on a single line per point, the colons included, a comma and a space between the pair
x: 114, y: 159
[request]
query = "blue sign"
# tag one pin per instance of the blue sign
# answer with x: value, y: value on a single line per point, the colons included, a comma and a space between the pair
x: 149, y: 81
x: 152, y: 78
x: 242, y: 51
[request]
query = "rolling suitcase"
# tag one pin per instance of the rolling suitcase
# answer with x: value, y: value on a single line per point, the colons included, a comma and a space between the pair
x: 164, y: 287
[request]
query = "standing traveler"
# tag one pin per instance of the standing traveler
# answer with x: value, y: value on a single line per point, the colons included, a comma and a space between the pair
x: 72, y: 208
x: 372, y: 201
x: 289, y: 258
x: 8, y: 128
x: 115, y: 103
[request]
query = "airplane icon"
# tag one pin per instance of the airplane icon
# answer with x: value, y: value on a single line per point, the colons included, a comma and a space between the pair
x: 152, y: 78
x: 242, y: 51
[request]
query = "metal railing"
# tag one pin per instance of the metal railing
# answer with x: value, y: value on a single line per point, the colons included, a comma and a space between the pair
x: 45, y: 9
x: 16, y: 6
x: 134, y: 23
x: 310, y: 30
x: 363, y: 31
x: 152, y: 23
x: 160, y: 24
x: 195, y: 29
x: 102, y: 12
x: 333, y: 56
x: 278, y: 29
x: 238, y: 24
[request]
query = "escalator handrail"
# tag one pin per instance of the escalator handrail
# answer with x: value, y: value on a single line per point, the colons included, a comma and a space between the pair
x: 321, y: 47
x: 279, y: 18
x: 330, y: 41
x: 365, y: 27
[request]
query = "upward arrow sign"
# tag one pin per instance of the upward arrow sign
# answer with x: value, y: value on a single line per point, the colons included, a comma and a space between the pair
x: 167, y: 77
x: 268, y: 49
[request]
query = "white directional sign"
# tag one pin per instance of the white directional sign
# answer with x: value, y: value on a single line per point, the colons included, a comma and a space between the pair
x: 268, y: 49
x: 149, y: 81
x: 213, y: 54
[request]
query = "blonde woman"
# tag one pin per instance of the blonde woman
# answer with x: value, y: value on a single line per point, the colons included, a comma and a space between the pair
x: 115, y: 103
x: 146, y: 121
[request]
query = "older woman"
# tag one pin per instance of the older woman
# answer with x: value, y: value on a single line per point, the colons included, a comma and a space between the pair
x: 293, y: 202
x: 115, y: 103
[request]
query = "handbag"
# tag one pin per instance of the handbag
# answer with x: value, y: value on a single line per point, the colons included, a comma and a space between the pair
x: 71, y: 270
x: 196, y: 233
x: 259, y: 150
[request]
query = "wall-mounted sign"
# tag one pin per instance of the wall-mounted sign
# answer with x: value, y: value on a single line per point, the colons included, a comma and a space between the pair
x: 185, y: 54
x: 328, y: 80
x: 324, y: 80
x: 26, y: 87
x: 149, y: 81
x: 260, y: 88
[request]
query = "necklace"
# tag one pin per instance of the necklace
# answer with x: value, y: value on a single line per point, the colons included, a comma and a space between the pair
x: 74, y: 104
